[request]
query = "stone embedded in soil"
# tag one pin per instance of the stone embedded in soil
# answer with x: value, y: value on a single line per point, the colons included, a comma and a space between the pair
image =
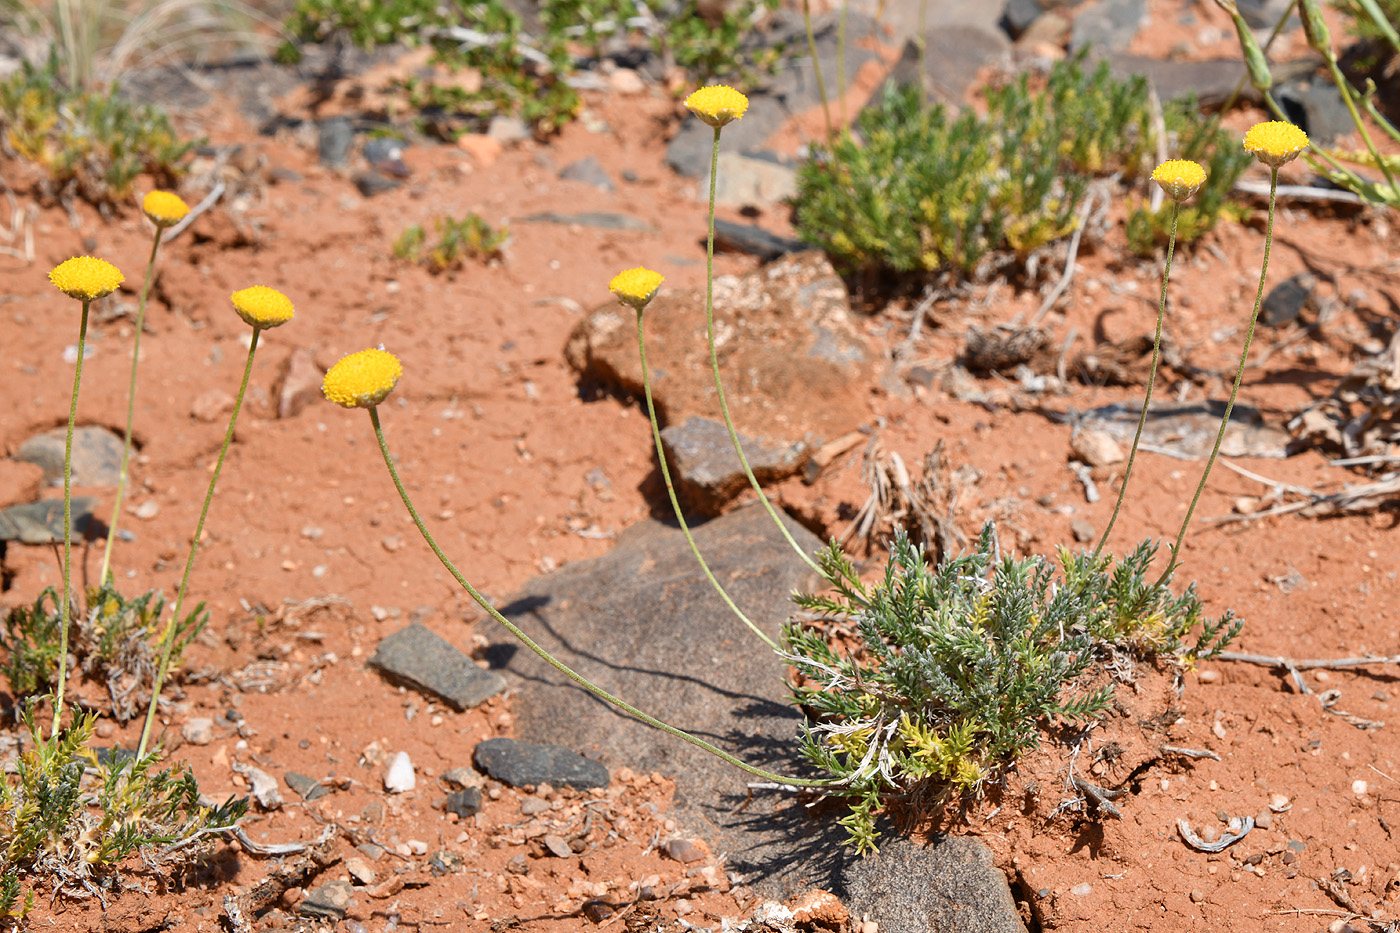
x: 1286, y: 300
x: 330, y: 900
x: 300, y: 384
x: 1096, y: 448
x: 1082, y: 530
x: 750, y: 180
x: 372, y: 182
x: 42, y: 522
x: 754, y: 240
x: 1188, y: 429
x: 683, y: 850
x: 307, y: 788
x: 793, y: 360
x: 399, y: 778
x: 588, y: 171
x: 198, y: 731
x: 464, y: 803
x: 707, y: 471
x: 97, y: 455
x: 557, y: 846
x: 642, y: 623
x: 421, y: 659
x: 522, y: 764
x: 1108, y: 24
x: 334, y: 136
x: 602, y: 220
x: 952, y: 58
x: 950, y: 884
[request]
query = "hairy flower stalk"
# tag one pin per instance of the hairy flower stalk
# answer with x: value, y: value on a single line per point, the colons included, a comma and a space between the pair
x: 718, y: 105
x: 86, y: 279
x: 369, y: 382
x: 635, y: 288
x: 164, y: 209
x: 1180, y: 179
x: 261, y: 307
x: 1274, y: 144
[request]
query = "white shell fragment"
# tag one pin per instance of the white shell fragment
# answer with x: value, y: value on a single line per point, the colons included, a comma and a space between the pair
x: 399, y: 778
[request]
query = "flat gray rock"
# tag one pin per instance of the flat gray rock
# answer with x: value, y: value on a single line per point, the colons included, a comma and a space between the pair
x: 707, y: 471
x: 529, y: 764
x: 1187, y: 430
x: 953, y: 57
x: 589, y: 171
x: 97, y: 455
x: 793, y: 361
x: 1108, y: 24
x: 643, y: 623
x: 423, y: 660
x: 950, y: 885
x: 42, y: 522
x: 603, y: 220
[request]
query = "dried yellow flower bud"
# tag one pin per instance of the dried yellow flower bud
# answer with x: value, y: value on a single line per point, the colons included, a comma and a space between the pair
x: 1179, y: 178
x: 636, y: 287
x: 717, y: 104
x: 86, y: 278
x: 363, y: 379
x: 164, y: 208
x: 262, y: 307
x: 1275, y: 143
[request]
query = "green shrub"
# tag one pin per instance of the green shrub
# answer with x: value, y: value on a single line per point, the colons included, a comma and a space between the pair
x: 56, y: 832
x: 918, y: 191
x: 116, y: 640
x: 458, y: 240
x: 93, y: 144
x: 958, y: 666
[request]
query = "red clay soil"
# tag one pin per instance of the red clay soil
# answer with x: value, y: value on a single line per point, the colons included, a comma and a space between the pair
x: 495, y: 442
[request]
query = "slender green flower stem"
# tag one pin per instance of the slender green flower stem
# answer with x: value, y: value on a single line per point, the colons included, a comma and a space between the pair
x: 168, y: 636
x: 1345, y: 88
x: 675, y: 502
x: 714, y: 367
x: 65, y: 607
x: 1234, y: 389
x: 545, y: 655
x: 816, y: 70
x: 130, y: 409
x: 841, y: 87
x: 1151, y: 380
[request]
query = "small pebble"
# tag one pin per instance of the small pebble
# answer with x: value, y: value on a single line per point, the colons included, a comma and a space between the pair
x: 1279, y: 803
x: 417, y: 847
x: 147, y: 510
x: 1081, y: 890
x: 1265, y: 819
x: 198, y: 731
x: 1358, y: 787
x: 1322, y: 677
x: 399, y: 778
x: 1197, y: 896
x: 1209, y: 676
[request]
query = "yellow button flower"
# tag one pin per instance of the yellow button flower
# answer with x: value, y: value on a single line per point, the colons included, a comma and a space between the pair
x: 164, y: 208
x: 86, y: 278
x: 636, y: 287
x: 1179, y: 178
x: 363, y: 379
x: 1275, y: 143
x: 262, y: 307
x: 717, y: 104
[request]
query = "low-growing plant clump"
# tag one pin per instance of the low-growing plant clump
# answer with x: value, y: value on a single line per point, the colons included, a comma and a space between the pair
x: 457, y: 241
x: 916, y: 190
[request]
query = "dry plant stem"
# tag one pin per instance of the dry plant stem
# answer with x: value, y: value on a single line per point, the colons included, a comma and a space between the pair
x: 714, y: 368
x: 841, y: 86
x: 1151, y: 380
x: 1234, y: 389
x: 130, y: 410
x: 545, y: 655
x: 675, y: 502
x: 168, y: 636
x: 1306, y: 664
x: 64, y: 607
x: 821, y: 84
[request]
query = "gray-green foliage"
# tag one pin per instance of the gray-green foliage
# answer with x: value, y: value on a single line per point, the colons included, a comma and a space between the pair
x: 917, y: 190
x: 67, y: 821
x: 959, y: 666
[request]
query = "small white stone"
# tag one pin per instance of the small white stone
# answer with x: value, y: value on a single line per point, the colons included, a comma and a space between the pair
x: 1358, y: 787
x: 417, y: 847
x: 147, y: 510
x: 198, y: 731
x: 399, y: 778
x: 1219, y: 730
x: 1081, y: 890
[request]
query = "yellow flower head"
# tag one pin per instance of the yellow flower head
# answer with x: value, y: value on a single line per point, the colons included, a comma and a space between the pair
x: 1275, y: 143
x: 86, y: 278
x: 717, y: 104
x: 165, y: 208
x: 362, y: 380
x: 1179, y: 178
x: 262, y: 307
x: 636, y: 287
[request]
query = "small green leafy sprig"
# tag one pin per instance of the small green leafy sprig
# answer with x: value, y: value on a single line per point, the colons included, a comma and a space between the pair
x: 59, y: 831
x: 457, y: 240
x: 958, y: 666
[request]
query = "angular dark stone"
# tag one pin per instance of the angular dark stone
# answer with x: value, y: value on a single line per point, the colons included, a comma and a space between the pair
x: 307, y: 788
x: 644, y: 624
x: 1018, y: 15
x: 707, y: 470
x: 754, y: 240
x: 1286, y: 300
x: 1317, y: 108
x: 333, y: 138
x: 97, y: 455
x: 42, y: 522
x: 950, y: 884
x: 423, y: 660
x: 330, y: 900
x: 464, y: 803
x: 953, y: 56
x: 589, y: 171
x: 602, y: 220
x: 522, y: 764
x: 372, y: 182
